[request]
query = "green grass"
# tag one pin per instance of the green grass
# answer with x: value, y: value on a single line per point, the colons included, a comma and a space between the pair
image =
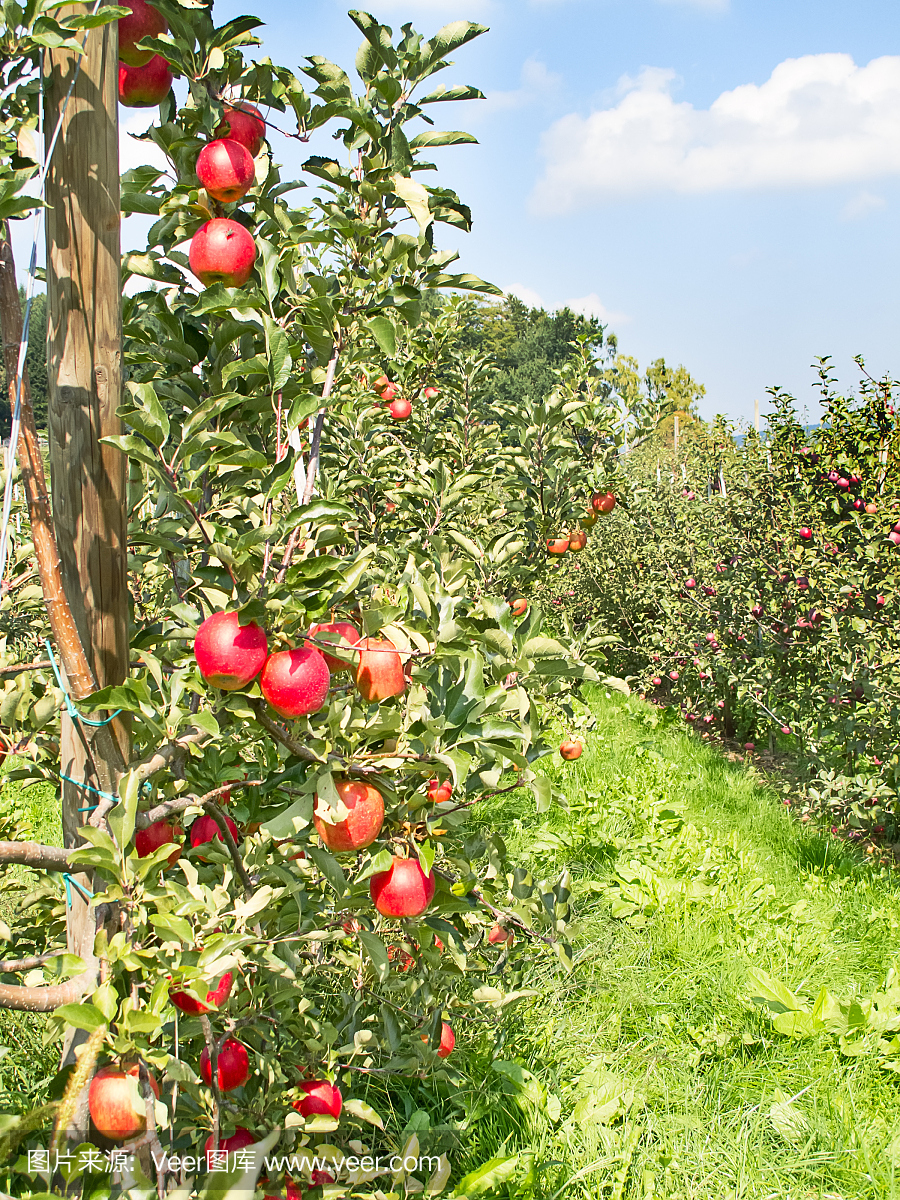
x: 25, y: 1063
x: 657, y: 1010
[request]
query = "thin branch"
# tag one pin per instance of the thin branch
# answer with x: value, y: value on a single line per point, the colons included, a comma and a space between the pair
x: 170, y: 807
x: 12, y: 965
x: 273, y: 728
x: 43, y: 664
x: 215, y: 812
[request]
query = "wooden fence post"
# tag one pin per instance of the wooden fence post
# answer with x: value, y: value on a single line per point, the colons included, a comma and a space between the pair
x: 84, y: 375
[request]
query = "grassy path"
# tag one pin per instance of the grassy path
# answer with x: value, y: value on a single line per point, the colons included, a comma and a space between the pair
x: 654, y: 1073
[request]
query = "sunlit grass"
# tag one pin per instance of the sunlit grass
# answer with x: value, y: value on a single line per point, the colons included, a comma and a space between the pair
x: 662, y: 1007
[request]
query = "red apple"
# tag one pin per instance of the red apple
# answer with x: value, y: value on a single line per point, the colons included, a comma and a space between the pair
x: 380, y: 383
x: 225, y: 168
x: 363, y: 822
x: 590, y: 520
x: 205, y: 829
x: 400, y: 410
x: 390, y: 391
x: 894, y: 537
x: 691, y: 583
x: 448, y: 1040
x: 158, y: 834
x: 519, y: 606
x: 557, y: 545
x: 806, y: 533
x: 215, y: 997
x: 871, y: 507
x: 230, y: 655
x: 603, y: 502
x: 322, y: 1099
x: 570, y: 749
x: 239, y: 1140
x: 242, y: 122
x: 498, y: 935
x: 143, y: 21
x: 222, y: 251
x: 341, y: 633
x: 295, y: 682
x: 577, y: 541
x: 379, y: 672
x: 147, y: 86
x: 232, y: 1066
x: 439, y: 790
x: 431, y: 393
x: 404, y: 890
x: 116, y: 1102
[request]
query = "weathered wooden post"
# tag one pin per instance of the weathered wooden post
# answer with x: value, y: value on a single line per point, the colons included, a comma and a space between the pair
x: 84, y: 372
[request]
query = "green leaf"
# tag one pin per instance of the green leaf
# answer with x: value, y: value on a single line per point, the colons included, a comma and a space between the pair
x: 487, y: 1178
x: 446, y: 137
x: 460, y: 91
x: 377, y: 953
x: 279, y: 354
x: 290, y: 822
x: 450, y: 38
x: 363, y: 1111
x: 764, y: 990
x: 415, y: 197
x: 121, y: 818
x: 82, y: 1016
x: 330, y: 868
x: 384, y: 333
x: 177, y: 927
x: 146, y: 414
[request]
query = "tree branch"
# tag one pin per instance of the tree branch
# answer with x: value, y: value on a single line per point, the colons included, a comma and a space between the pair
x: 33, y: 854
x: 46, y: 999
x: 13, y: 965
x: 148, y: 767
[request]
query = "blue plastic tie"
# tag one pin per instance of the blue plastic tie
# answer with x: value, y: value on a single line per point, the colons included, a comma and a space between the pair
x: 89, y: 788
x: 70, y: 881
x: 70, y: 707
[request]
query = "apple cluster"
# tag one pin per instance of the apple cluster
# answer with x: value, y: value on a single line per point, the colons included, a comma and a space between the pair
x: 295, y: 682
x: 145, y: 78
x: 576, y: 540
x: 222, y: 250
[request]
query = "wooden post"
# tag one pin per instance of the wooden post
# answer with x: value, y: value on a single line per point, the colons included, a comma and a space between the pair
x: 756, y: 414
x: 84, y: 373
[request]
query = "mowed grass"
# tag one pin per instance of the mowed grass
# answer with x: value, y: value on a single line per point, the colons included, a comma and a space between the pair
x: 26, y: 1064
x: 656, y: 1076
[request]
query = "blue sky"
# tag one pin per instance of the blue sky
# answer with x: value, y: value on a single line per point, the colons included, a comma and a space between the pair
x: 716, y: 178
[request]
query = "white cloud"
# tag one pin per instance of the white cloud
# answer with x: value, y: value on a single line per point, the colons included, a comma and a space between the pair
x: 536, y: 81
x: 861, y: 205
x: 817, y: 120
x: 593, y: 306
x: 526, y: 294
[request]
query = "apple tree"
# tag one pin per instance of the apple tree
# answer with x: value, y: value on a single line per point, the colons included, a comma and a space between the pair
x: 265, y: 963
